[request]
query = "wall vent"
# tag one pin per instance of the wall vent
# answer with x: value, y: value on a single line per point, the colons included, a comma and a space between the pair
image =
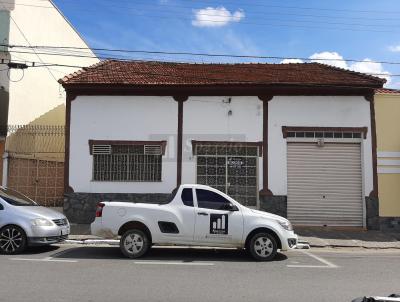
x: 152, y: 150
x: 101, y: 149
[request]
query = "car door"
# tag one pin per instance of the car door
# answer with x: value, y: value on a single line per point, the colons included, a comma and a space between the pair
x: 177, y: 224
x: 214, y: 224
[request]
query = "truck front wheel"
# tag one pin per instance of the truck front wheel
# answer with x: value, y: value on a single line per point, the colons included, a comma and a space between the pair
x: 134, y: 243
x: 263, y: 247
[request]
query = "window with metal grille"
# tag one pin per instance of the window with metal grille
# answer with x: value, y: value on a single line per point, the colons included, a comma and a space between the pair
x: 136, y: 163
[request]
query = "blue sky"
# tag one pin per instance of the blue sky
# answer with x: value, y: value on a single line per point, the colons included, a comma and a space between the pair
x: 354, y: 29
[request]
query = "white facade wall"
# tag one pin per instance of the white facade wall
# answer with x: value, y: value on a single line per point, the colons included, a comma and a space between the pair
x: 314, y: 111
x: 37, y: 91
x: 204, y: 119
x: 217, y: 119
x: 121, y: 118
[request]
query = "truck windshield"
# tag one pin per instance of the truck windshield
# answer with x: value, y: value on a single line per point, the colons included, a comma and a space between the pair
x: 16, y: 199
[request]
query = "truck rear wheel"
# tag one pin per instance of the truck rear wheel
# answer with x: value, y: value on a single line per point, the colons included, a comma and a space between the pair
x: 263, y: 247
x: 134, y: 243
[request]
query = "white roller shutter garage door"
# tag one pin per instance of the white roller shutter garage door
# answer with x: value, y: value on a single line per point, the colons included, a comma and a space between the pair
x: 325, y: 184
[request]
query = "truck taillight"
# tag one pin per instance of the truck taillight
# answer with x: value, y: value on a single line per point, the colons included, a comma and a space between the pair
x: 99, y: 209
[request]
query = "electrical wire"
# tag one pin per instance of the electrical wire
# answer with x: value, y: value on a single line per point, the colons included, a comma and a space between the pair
x: 352, y: 29
x: 187, y: 53
x: 26, y: 39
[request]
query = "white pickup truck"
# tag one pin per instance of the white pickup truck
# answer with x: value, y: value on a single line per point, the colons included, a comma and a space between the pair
x: 195, y: 215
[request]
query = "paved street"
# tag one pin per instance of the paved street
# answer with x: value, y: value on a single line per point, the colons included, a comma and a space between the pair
x: 100, y: 273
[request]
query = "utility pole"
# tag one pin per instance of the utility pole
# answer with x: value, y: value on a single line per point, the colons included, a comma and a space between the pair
x: 5, y: 18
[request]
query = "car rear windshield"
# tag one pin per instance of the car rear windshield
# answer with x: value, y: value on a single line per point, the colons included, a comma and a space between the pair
x: 14, y: 198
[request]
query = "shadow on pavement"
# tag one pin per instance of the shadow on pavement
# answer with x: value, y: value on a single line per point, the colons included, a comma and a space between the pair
x: 162, y: 254
x: 34, y: 250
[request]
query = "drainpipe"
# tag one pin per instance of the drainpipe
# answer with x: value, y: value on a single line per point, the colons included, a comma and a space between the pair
x: 5, y: 169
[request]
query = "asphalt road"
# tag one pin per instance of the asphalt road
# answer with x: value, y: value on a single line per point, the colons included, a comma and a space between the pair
x: 100, y: 273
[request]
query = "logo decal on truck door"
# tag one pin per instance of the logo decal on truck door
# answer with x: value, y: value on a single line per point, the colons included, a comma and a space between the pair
x: 219, y: 224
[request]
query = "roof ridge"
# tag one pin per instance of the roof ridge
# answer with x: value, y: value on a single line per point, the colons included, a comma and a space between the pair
x: 364, y: 75
x: 141, y: 72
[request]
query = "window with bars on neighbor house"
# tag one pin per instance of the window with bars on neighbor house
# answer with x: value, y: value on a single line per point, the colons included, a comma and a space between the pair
x: 131, y: 162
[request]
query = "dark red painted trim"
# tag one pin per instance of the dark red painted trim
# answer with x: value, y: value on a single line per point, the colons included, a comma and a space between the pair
x: 217, y: 90
x: 286, y: 129
x: 180, y: 99
x: 70, y: 97
x: 375, y: 192
x: 126, y: 142
x: 265, y: 190
x: 228, y: 143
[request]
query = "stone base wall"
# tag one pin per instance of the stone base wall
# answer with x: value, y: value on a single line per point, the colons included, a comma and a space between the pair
x: 389, y: 224
x: 275, y: 204
x: 372, y: 213
x: 81, y: 207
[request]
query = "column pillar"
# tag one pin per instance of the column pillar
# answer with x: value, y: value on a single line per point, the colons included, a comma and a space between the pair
x: 265, y: 99
x: 180, y: 99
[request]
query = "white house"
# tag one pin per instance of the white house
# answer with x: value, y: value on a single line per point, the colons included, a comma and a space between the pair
x: 293, y: 139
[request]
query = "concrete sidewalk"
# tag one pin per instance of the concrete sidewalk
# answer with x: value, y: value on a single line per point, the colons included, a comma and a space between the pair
x: 357, y: 238
x: 315, y: 237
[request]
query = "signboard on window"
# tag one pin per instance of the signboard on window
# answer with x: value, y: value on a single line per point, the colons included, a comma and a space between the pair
x: 235, y: 162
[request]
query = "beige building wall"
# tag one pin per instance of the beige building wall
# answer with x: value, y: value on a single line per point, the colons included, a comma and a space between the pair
x: 387, y: 114
x: 36, y: 90
x: 43, y: 138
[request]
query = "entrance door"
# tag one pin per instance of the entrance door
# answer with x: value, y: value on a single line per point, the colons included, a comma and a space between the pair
x: 232, y: 170
x: 325, y: 184
x: 213, y: 223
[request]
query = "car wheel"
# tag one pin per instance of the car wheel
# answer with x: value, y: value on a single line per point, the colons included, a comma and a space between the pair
x: 12, y: 240
x: 263, y: 247
x: 134, y: 243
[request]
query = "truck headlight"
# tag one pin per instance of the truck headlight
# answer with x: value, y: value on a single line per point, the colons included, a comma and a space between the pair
x: 41, y: 222
x: 286, y: 225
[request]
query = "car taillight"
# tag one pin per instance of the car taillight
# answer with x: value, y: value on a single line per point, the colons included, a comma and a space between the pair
x: 99, y: 209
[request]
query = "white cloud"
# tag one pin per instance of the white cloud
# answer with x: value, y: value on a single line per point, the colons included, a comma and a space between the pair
x: 286, y: 61
x: 369, y: 67
x: 395, y: 48
x: 216, y: 17
x: 365, y: 66
x: 329, y: 58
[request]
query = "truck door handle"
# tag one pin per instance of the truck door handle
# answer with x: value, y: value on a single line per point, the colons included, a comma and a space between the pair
x: 202, y: 214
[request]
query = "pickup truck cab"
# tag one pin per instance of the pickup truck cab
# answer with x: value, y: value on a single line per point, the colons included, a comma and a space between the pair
x: 195, y: 215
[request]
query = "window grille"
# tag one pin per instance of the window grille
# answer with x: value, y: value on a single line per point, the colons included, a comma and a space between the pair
x: 135, y: 163
x: 323, y: 134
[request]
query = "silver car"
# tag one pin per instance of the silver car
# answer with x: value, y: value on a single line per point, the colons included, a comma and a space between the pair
x: 24, y: 223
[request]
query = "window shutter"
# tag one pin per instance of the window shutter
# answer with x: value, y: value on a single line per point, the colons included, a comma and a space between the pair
x: 101, y: 149
x: 152, y: 150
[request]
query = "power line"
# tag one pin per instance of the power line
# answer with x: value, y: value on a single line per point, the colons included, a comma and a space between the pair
x: 26, y: 39
x: 318, y: 8
x: 352, y: 29
x: 36, y: 65
x: 255, y: 13
x: 197, y: 54
x: 290, y: 7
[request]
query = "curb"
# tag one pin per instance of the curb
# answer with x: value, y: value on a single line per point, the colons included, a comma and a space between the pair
x: 300, y: 244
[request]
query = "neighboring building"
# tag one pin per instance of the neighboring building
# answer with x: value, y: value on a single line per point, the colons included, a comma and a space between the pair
x: 387, y: 112
x: 294, y: 139
x: 32, y: 108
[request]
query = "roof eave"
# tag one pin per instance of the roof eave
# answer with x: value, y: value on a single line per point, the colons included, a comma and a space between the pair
x: 220, y: 89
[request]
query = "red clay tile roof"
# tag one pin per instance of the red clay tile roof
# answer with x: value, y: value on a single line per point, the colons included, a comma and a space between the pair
x: 387, y: 91
x: 166, y: 73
